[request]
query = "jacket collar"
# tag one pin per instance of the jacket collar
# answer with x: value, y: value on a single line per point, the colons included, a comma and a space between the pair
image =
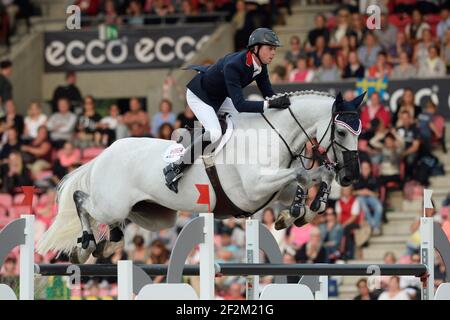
x: 251, y: 63
x: 249, y: 59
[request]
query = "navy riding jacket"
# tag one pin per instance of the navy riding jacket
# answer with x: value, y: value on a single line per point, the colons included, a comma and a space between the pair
x: 226, y: 78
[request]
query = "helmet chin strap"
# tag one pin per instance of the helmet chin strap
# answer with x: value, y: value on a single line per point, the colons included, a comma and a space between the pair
x: 257, y: 54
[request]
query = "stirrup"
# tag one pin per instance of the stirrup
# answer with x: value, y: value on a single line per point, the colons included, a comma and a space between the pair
x: 173, y: 185
x: 177, y: 171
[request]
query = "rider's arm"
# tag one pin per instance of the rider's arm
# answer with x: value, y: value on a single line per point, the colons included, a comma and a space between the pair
x: 264, y: 85
x: 233, y: 83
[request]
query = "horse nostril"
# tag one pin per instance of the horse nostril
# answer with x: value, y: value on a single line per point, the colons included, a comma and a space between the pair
x: 346, y: 181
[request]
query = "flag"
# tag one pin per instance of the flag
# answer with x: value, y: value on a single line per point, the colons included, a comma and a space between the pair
x: 28, y: 199
x: 379, y: 85
x: 203, y: 198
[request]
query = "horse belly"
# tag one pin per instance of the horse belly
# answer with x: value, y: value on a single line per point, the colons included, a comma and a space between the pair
x: 132, y: 171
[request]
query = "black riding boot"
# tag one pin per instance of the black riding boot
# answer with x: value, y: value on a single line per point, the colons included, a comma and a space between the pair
x: 174, y: 171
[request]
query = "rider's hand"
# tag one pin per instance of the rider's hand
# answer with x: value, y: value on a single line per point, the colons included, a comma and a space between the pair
x: 282, y: 102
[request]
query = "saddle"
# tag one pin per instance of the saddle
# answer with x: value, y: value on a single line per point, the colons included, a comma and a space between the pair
x: 224, y: 206
x: 205, y: 141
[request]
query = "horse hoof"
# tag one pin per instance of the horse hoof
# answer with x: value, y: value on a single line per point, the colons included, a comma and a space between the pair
x: 80, y: 255
x: 98, y: 252
x: 300, y: 222
x: 284, y: 220
x: 280, y: 225
x: 105, y: 248
x: 73, y: 257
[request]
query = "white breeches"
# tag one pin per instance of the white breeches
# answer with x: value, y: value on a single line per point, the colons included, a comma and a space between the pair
x: 207, y: 115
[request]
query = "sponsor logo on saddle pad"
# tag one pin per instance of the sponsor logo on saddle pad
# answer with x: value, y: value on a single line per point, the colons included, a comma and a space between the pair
x: 173, y: 153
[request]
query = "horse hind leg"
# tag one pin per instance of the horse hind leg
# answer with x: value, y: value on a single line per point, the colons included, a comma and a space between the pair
x: 107, y: 248
x: 87, y: 241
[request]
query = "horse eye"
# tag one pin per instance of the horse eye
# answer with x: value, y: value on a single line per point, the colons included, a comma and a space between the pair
x: 341, y: 133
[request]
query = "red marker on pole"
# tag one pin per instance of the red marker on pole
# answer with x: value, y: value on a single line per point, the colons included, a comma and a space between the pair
x: 203, y: 198
x: 28, y: 199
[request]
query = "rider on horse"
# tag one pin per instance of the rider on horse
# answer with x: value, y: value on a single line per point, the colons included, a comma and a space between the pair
x: 218, y: 89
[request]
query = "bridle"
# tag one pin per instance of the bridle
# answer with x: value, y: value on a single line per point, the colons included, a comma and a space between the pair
x: 318, y: 155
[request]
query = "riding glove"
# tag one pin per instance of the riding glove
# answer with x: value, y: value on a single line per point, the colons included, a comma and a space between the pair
x: 282, y: 102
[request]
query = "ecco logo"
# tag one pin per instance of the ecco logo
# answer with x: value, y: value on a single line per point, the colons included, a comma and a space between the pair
x: 145, y: 50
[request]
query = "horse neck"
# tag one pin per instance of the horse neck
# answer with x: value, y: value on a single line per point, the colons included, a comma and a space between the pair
x: 313, y: 110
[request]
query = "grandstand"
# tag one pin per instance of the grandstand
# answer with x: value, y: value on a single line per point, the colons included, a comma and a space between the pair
x: 121, y: 75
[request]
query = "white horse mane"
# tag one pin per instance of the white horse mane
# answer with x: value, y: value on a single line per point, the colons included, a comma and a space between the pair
x: 303, y: 93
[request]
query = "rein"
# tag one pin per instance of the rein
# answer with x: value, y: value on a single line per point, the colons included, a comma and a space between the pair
x: 319, y: 156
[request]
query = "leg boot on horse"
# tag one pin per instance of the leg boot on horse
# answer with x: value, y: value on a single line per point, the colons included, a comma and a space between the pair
x: 298, y: 209
x: 87, y: 240
x: 318, y: 205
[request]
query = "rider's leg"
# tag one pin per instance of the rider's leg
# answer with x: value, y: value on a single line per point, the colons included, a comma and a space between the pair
x: 228, y: 107
x: 208, y: 118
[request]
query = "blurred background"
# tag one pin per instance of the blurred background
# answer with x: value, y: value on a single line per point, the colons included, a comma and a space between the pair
x: 66, y: 94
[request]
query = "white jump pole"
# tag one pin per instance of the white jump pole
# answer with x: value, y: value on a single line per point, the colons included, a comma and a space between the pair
x: 322, y: 294
x: 125, y: 279
x: 252, y: 256
x: 427, y: 245
x: 207, y: 271
x: 427, y: 255
x: 27, y: 260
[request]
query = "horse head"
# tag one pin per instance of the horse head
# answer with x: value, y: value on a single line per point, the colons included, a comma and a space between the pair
x: 339, y: 138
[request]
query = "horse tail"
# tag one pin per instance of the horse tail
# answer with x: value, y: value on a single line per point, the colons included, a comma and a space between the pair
x: 62, y: 234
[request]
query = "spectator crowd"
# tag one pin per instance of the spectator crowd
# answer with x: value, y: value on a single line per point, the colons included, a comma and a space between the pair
x: 396, y: 146
x: 408, y: 44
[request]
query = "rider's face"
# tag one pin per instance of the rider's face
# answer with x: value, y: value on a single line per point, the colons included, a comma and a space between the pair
x: 267, y: 53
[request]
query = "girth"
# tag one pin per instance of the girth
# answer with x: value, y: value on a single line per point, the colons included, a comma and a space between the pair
x: 224, y: 205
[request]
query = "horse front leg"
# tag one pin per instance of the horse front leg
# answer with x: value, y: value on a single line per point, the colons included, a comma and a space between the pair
x: 298, y: 206
x: 299, y: 213
x: 297, y: 210
x: 305, y: 180
x: 326, y: 175
x: 319, y: 203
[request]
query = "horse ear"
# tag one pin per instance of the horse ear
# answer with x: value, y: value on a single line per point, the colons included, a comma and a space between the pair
x: 358, y: 100
x: 338, y: 102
